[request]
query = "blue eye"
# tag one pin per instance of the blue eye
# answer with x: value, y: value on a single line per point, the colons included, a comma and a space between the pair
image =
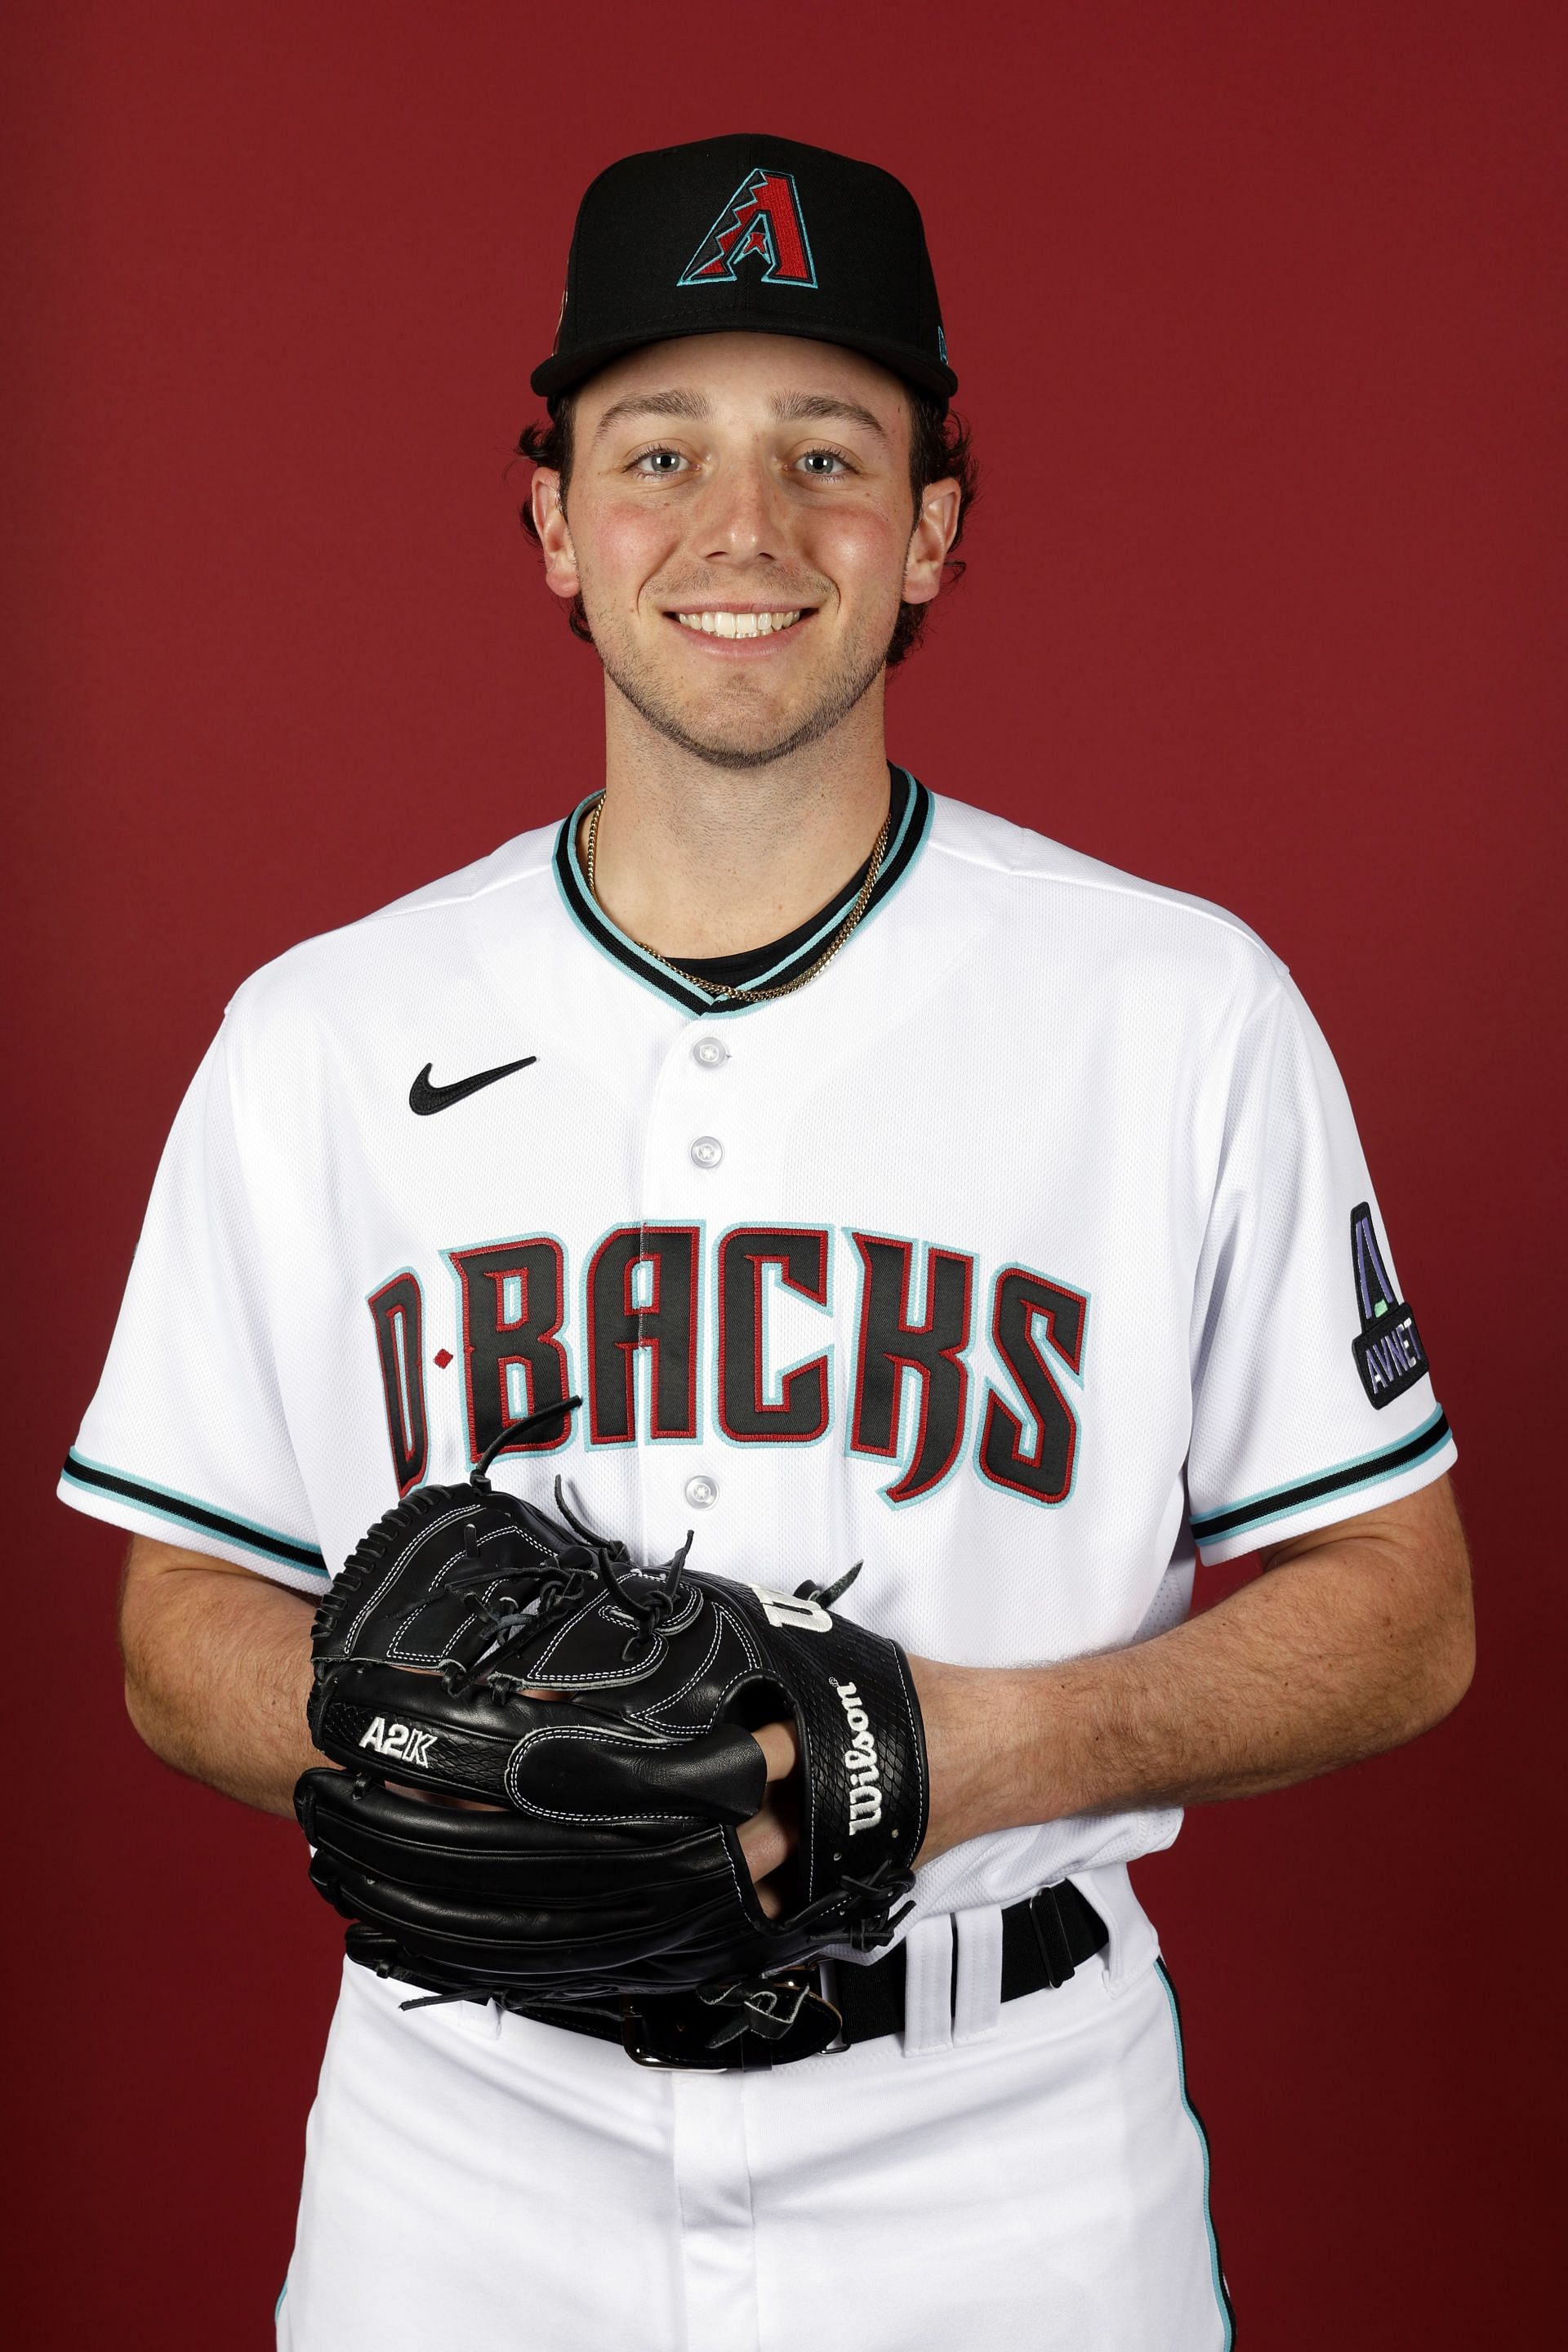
x: 658, y: 461
x: 822, y: 461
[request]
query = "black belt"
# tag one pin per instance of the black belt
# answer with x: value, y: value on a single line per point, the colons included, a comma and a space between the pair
x: 1044, y: 1939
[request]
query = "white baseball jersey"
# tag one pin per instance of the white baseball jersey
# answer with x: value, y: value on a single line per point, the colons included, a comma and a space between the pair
x: 1024, y: 1252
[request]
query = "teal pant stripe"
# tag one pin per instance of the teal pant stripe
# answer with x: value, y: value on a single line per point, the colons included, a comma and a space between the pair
x: 1222, y: 2293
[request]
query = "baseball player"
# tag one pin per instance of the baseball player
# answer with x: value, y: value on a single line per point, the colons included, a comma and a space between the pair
x: 890, y: 1184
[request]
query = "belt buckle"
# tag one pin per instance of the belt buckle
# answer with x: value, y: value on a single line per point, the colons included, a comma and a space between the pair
x: 722, y: 2029
x: 653, y: 2036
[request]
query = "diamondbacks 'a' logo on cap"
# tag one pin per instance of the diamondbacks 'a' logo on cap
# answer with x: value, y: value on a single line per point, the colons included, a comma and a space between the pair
x: 763, y: 222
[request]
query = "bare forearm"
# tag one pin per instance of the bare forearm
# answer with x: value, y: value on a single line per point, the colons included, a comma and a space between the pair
x: 1349, y: 1648
x: 218, y: 1669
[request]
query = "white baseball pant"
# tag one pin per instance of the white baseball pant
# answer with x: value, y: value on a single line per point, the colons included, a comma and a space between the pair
x: 1026, y: 2174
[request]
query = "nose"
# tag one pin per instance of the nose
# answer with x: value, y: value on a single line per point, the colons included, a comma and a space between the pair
x: 742, y: 516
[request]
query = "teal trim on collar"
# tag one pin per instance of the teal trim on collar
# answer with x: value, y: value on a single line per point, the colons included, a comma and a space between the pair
x: 907, y: 836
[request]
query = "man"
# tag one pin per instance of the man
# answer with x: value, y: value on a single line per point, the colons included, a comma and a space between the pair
x: 893, y: 1183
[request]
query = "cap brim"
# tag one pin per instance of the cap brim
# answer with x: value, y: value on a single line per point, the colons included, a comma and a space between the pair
x: 565, y: 371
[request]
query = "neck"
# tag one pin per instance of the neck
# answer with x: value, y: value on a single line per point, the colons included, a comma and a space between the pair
x: 701, y: 861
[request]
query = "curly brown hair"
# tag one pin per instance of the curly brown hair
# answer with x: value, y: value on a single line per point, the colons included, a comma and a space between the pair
x: 940, y: 449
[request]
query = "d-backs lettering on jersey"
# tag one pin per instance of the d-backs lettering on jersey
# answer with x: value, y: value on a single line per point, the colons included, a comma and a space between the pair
x: 647, y: 1291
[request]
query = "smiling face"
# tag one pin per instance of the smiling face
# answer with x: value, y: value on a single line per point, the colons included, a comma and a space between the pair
x: 741, y: 527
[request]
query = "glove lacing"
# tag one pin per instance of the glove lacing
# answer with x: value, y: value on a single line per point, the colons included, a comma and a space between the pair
x: 569, y: 1562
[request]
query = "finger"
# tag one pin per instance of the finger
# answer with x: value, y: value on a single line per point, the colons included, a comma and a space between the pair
x: 770, y: 1901
x: 780, y: 1746
x: 765, y: 1842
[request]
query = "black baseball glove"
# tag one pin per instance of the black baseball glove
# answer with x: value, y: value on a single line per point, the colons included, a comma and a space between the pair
x: 610, y: 1875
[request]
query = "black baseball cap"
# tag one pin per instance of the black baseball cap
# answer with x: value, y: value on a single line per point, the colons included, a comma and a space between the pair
x: 748, y: 233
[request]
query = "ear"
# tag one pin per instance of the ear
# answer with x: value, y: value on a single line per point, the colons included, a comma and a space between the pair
x: 936, y: 527
x: 555, y: 535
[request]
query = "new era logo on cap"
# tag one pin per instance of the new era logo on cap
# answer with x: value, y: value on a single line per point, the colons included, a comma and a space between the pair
x: 763, y: 222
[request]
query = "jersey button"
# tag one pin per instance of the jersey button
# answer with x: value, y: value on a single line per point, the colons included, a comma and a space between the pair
x: 707, y: 1151
x: 710, y: 1053
x: 702, y: 1492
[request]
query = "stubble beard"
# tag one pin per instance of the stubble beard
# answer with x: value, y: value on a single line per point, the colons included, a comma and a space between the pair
x: 844, y: 686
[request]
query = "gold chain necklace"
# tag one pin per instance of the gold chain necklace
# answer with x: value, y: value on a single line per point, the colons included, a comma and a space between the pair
x: 719, y: 987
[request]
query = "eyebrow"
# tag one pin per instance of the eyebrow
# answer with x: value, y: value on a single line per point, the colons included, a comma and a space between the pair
x: 822, y: 408
x: 692, y: 404
x: 788, y: 407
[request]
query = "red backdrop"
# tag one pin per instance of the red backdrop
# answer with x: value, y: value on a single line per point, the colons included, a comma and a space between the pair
x: 1258, y: 313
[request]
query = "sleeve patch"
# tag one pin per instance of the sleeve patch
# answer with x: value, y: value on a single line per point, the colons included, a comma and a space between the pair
x: 1388, y: 1352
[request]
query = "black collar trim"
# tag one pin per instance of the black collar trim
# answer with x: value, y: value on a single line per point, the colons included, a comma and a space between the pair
x: 907, y: 831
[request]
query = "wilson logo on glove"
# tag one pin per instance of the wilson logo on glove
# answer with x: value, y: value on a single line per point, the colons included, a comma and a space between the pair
x: 865, y: 1774
x: 399, y: 1740
x: 800, y: 1614
x: 598, y: 1717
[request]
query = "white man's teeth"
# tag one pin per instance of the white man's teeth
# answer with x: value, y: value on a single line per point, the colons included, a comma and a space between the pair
x: 738, y: 625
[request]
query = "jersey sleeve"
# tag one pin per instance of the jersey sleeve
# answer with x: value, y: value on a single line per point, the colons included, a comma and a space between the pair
x: 1313, y: 1399
x: 186, y: 1439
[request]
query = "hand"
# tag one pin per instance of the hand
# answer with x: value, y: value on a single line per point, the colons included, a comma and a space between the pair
x: 962, y: 1801
x: 767, y: 1839
x: 770, y: 1837
x: 947, y: 1697
x: 968, y: 1747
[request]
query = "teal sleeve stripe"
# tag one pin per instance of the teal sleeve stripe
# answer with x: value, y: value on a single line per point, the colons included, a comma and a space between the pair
x: 1403, y: 1455
x: 183, y: 1510
x: 1222, y: 2293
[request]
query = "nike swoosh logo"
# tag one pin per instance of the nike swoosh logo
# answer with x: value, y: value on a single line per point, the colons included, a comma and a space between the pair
x: 423, y: 1098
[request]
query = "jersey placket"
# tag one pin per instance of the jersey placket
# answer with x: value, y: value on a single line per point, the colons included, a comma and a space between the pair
x: 707, y: 1151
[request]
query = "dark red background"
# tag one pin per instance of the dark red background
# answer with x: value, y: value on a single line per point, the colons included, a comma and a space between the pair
x: 1259, y: 315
